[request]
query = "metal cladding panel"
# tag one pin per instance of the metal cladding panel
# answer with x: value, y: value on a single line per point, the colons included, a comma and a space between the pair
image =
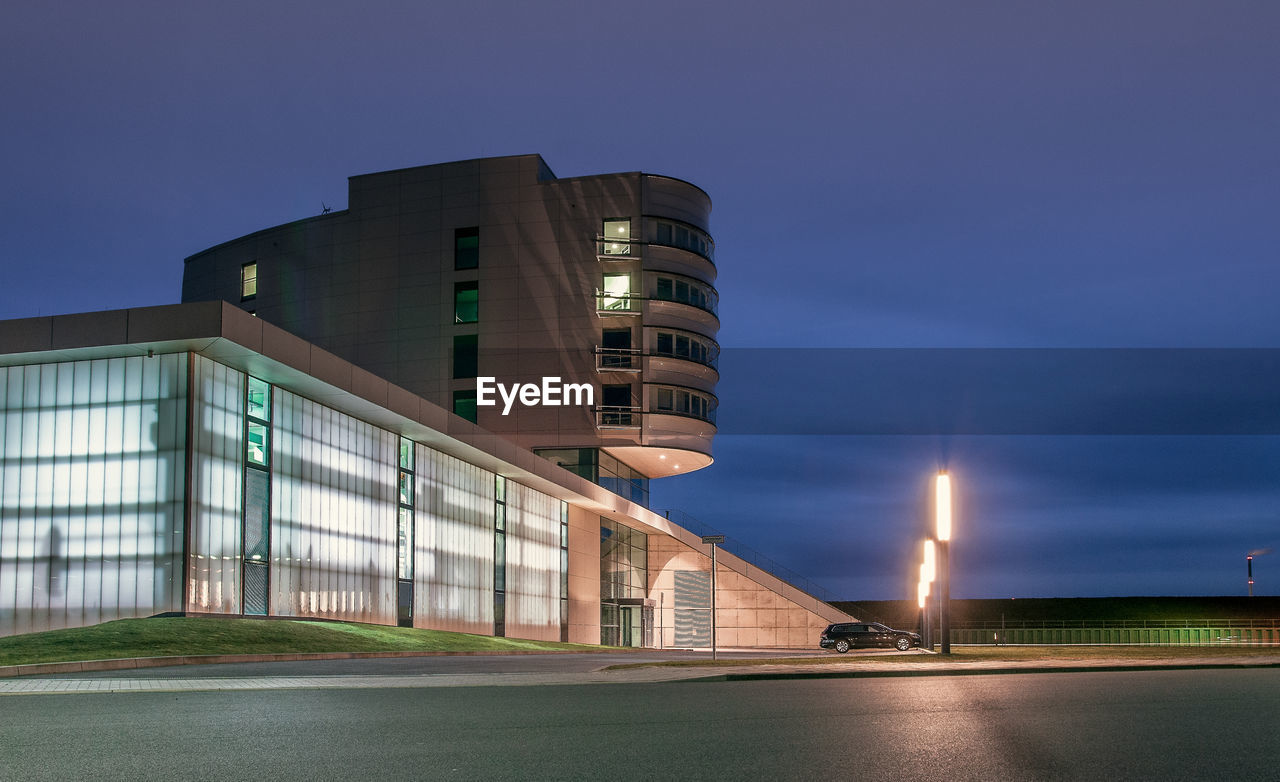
x: 454, y: 540
x: 533, y: 564
x: 333, y: 514
x: 92, y: 471
x: 217, y: 485
x: 692, y: 608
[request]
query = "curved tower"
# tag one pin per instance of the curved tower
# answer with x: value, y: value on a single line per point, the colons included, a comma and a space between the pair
x: 438, y: 275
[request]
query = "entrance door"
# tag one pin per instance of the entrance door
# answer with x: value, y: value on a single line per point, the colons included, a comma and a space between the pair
x: 631, y: 626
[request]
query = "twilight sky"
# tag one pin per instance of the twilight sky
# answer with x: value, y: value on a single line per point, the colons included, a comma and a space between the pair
x: 885, y: 175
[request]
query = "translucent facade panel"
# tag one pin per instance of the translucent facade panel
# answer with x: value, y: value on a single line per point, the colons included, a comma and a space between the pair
x: 533, y: 564
x: 453, y: 528
x: 92, y: 474
x: 217, y: 488
x: 334, y: 514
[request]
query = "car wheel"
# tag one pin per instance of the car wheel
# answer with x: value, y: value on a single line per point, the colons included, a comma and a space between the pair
x: 842, y: 646
x: 903, y: 643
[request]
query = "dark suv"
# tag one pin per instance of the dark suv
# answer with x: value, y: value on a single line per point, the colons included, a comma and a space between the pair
x: 843, y: 637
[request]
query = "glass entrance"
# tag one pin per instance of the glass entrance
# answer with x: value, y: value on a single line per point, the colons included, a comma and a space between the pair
x: 630, y: 626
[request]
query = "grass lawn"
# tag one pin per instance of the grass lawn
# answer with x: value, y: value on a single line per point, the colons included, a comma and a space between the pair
x: 1019, y: 654
x: 172, y: 636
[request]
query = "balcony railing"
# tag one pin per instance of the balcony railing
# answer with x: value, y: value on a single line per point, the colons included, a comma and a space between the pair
x: 618, y: 359
x: 614, y: 249
x: 618, y: 417
x: 617, y: 303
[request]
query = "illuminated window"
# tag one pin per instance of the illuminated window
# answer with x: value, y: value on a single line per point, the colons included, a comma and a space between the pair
x: 249, y: 280
x: 259, y: 399
x: 617, y: 292
x: 466, y: 248
x: 404, y: 538
x: 616, y: 235
x: 259, y: 447
x: 466, y: 302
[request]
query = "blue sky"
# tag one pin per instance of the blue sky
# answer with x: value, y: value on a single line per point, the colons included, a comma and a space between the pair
x: 884, y: 175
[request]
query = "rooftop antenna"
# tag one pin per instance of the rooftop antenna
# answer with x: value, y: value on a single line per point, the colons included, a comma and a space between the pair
x: 324, y: 210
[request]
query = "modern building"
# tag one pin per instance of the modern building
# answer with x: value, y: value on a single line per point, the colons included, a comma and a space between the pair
x: 495, y: 268
x: 204, y: 459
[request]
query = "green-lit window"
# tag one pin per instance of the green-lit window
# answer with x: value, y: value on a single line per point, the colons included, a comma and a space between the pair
x: 406, y: 453
x: 249, y: 280
x: 404, y: 544
x: 406, y: 488
x: 466, y: 302
x: 499, y: 488
x: 259, y: 399
x: 617, y: 234
x: 258, y: 445
x: 466, y: 355
x: 466, y: 248
x: 617, y: 292
x: 464, y: 405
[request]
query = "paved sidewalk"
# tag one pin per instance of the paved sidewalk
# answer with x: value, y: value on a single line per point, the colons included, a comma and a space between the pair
x: 910, y: 665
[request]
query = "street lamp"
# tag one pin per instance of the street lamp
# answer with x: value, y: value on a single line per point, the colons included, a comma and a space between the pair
x: 942, y: 507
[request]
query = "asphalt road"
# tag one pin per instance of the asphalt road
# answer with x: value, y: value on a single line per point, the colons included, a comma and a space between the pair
x: 1167, y: 725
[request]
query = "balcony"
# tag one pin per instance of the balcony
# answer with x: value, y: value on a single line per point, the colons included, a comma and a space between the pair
x: 618, y: 359
x: 615, y: 303
x: 614, y: 249
x: 618, y: 417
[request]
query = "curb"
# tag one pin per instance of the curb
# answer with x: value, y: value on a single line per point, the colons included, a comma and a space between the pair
x: 869, y: 674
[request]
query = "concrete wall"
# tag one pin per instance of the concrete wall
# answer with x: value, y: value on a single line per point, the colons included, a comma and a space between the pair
x: 584, y: 576
x: 748, y: 613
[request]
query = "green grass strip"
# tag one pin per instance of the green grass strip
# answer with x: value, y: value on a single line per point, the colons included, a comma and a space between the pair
x: 181, y: 636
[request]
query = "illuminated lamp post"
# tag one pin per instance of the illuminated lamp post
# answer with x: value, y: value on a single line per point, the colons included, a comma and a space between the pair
x: 1249, y: 563
x: 942, y: 504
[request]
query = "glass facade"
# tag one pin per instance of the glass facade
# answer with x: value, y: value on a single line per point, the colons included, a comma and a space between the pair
x: 533, y: 563
x: 217, y: 488
x: 294, y: 509
x: 624, y: 582
x: 91, y: 491
x: 334, y: 514
x: 673, y: 233
x: 453, y: 559
x: 603, y: 470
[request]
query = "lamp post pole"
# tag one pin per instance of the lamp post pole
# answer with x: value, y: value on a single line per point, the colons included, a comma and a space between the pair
x: 928, y: 574
x: 943, y: 510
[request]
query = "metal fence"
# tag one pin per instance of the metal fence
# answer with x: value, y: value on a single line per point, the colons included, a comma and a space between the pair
x: 1236, y: 633
x: 1125, y: 624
